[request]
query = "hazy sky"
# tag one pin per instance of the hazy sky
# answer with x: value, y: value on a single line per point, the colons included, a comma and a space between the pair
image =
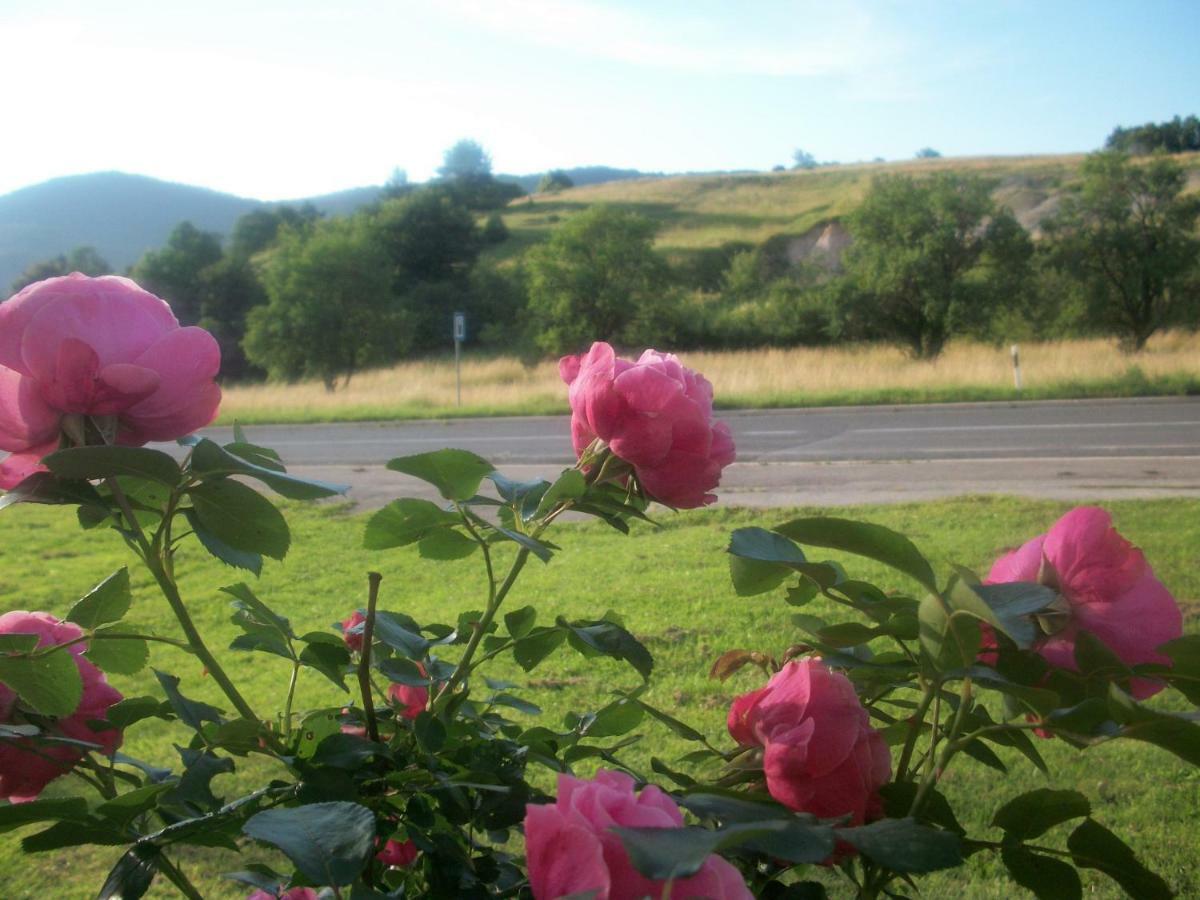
x: 277, y: 100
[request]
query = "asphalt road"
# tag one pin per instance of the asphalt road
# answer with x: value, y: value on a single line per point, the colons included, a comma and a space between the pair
x: 1070, y: 450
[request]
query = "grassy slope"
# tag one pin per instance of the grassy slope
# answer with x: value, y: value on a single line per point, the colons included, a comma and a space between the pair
x: 673, y: 588
x: 696, y: 211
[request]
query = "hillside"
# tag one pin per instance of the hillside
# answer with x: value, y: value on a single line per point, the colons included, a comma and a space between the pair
x: 122, y: 216
x: 703, y: 211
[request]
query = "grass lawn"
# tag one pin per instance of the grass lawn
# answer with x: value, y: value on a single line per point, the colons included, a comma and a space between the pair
x: 672, y: 586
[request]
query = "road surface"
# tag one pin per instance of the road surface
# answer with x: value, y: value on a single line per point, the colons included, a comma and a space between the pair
x: 1070, y: 450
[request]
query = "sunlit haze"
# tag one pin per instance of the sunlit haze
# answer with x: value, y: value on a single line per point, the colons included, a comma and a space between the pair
x: 279, y: 100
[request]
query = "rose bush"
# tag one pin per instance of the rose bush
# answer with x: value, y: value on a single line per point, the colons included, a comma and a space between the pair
x: 867, y: 706
x: 820, y: 753
x: 656, y: 415
x: 77, y: 351
x: 27, y: 765
x: 571, y: 847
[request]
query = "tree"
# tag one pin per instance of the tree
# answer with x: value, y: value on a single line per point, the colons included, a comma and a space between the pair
x: 329, y: 309
x: 173, y: 272
x: 1129, y: 236
x: 802, y: 159
x: 926, y: 256
x: 81, y: 259
x: 466, y: 159
x: 228, y: 290
x: 597, y: 278
x: 256, y: 230
x: 554, y: 181
x: 1177, y: 136
x: 429, y: 236
x: 928, y: 153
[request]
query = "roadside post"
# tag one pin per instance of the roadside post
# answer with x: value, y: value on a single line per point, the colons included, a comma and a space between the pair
x: 460, y: 335
x: 1016, y: 358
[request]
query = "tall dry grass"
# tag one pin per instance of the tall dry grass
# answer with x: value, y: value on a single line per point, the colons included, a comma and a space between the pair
x: 769, y: 377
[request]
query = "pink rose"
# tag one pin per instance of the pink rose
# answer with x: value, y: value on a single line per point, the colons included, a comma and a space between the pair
x: 400, y: 854
x: 1109, y: 588
x: 656, y: 415
x: 820, y: 753
x: 28, y: 765
x: 570, y: 848
x: 296, y: 893
x: 353, y: 639
x: 97, y: 347
x: 411, y: 699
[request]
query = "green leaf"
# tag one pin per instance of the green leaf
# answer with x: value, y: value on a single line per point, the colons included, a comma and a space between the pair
x: 950, y: 638
x: 519, y: 622
x: 1093, y: 846
x: 330, y: 843
x: 126, y: 712
x: 898, y: 797
x: 252, y: 614
x: 404, y: 522
x: 863, y: 539
x: 796, y: 838
x: 90, y: 463
x: 119, y: 656
x: 42, y: 487
x: 680, y: 729
x: 131, y: 877
x: 241, y: 517
x: 543, y: 550
x: 106, y: 602
x: 570, y: 485
x: 429, y: 732
x: 609, y: 639
x: 1048, y: 878
x: 346, y: 751
x: 49, y: 683
x: 523, y: 496
x: 1035, y: 812
x: 668, y: 853
x: 191, y: 712
x: 194, y: 791
x: 536, y: 646
x: 760, y: 560
x: 329, y: 659
x: 14, y: 815
x: 904, y: 845
x: 397, y: 631
x: 618, y: 718
x: 1015, y: 604
x: 456, y: 474
x: 209, y: 458
x: 1172, y: 733
x: 1184, y: 672
x: 446, y: 544
x: 231, y: 556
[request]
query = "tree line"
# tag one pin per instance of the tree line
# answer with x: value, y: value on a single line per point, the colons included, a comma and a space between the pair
x: 294, y: 295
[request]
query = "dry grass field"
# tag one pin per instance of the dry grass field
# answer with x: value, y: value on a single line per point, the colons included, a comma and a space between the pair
x: 753, y: 378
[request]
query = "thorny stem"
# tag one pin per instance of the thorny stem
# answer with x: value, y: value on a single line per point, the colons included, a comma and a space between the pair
x: 364, y: 660
x: 171, y: 592
x: 914, y: 729
x: 935, y: 765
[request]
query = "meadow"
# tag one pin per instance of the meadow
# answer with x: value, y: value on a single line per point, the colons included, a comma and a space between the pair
x: 784, y: 377
x: 672, y: 586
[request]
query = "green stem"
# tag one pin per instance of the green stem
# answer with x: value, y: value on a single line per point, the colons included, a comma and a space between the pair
x: 364, y: 660
x: 937, y: 764
x: 171, y: 592
x: 287, y: 706
x: 914, y: 729
x: 175, y: 875
x: 111, y: 636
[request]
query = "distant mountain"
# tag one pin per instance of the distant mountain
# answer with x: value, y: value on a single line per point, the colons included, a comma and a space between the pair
x: 122, y: 216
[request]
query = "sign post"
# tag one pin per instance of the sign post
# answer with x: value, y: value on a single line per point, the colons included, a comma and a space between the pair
x: 1016, y: 359
x: 460, y: 335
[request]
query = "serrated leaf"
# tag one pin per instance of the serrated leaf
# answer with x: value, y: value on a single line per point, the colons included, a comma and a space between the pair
x: 90, y: 463
x: 904, y: 845
x: 217, y: 548
x: 241, y: 517
x: 49, y: 683
x: 119, y: 656
x: 404, y: 522
x: 863, y: 539
x: 1093, y: 846
x: 609, y: 639
x: 106, y: 602
x: 456, y: 474
x: 446, y: 544
x: 1035, y: 812
x: 192, y: 713
x: 329, y: 842
x: 536, y: 646
x: 209, y: 458
x: 520, y: 622
x: 42, y: 487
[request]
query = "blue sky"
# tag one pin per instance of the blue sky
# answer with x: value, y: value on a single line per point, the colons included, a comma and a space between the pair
x: 278, y: 100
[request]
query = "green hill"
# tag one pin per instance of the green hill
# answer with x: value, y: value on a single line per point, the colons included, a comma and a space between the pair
x: 703, y: 211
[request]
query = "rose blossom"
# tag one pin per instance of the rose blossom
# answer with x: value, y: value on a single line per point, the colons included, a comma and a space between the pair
x: 1109, y: 588
x: 28, y: 765
x: 100, y: 347
x: 412, y: 699
x: 400, y: 854
x: 820, y: 753
x: 353, y: 639
x: 570, y: 848
x: 656, y: 415
x: 296, y: 893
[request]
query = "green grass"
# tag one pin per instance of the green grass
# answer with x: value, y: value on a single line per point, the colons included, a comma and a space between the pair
x: 671, y: 585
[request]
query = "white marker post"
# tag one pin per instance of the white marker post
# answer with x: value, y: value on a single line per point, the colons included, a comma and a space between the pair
x: 1016, y: 357
x: 460, y: 335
